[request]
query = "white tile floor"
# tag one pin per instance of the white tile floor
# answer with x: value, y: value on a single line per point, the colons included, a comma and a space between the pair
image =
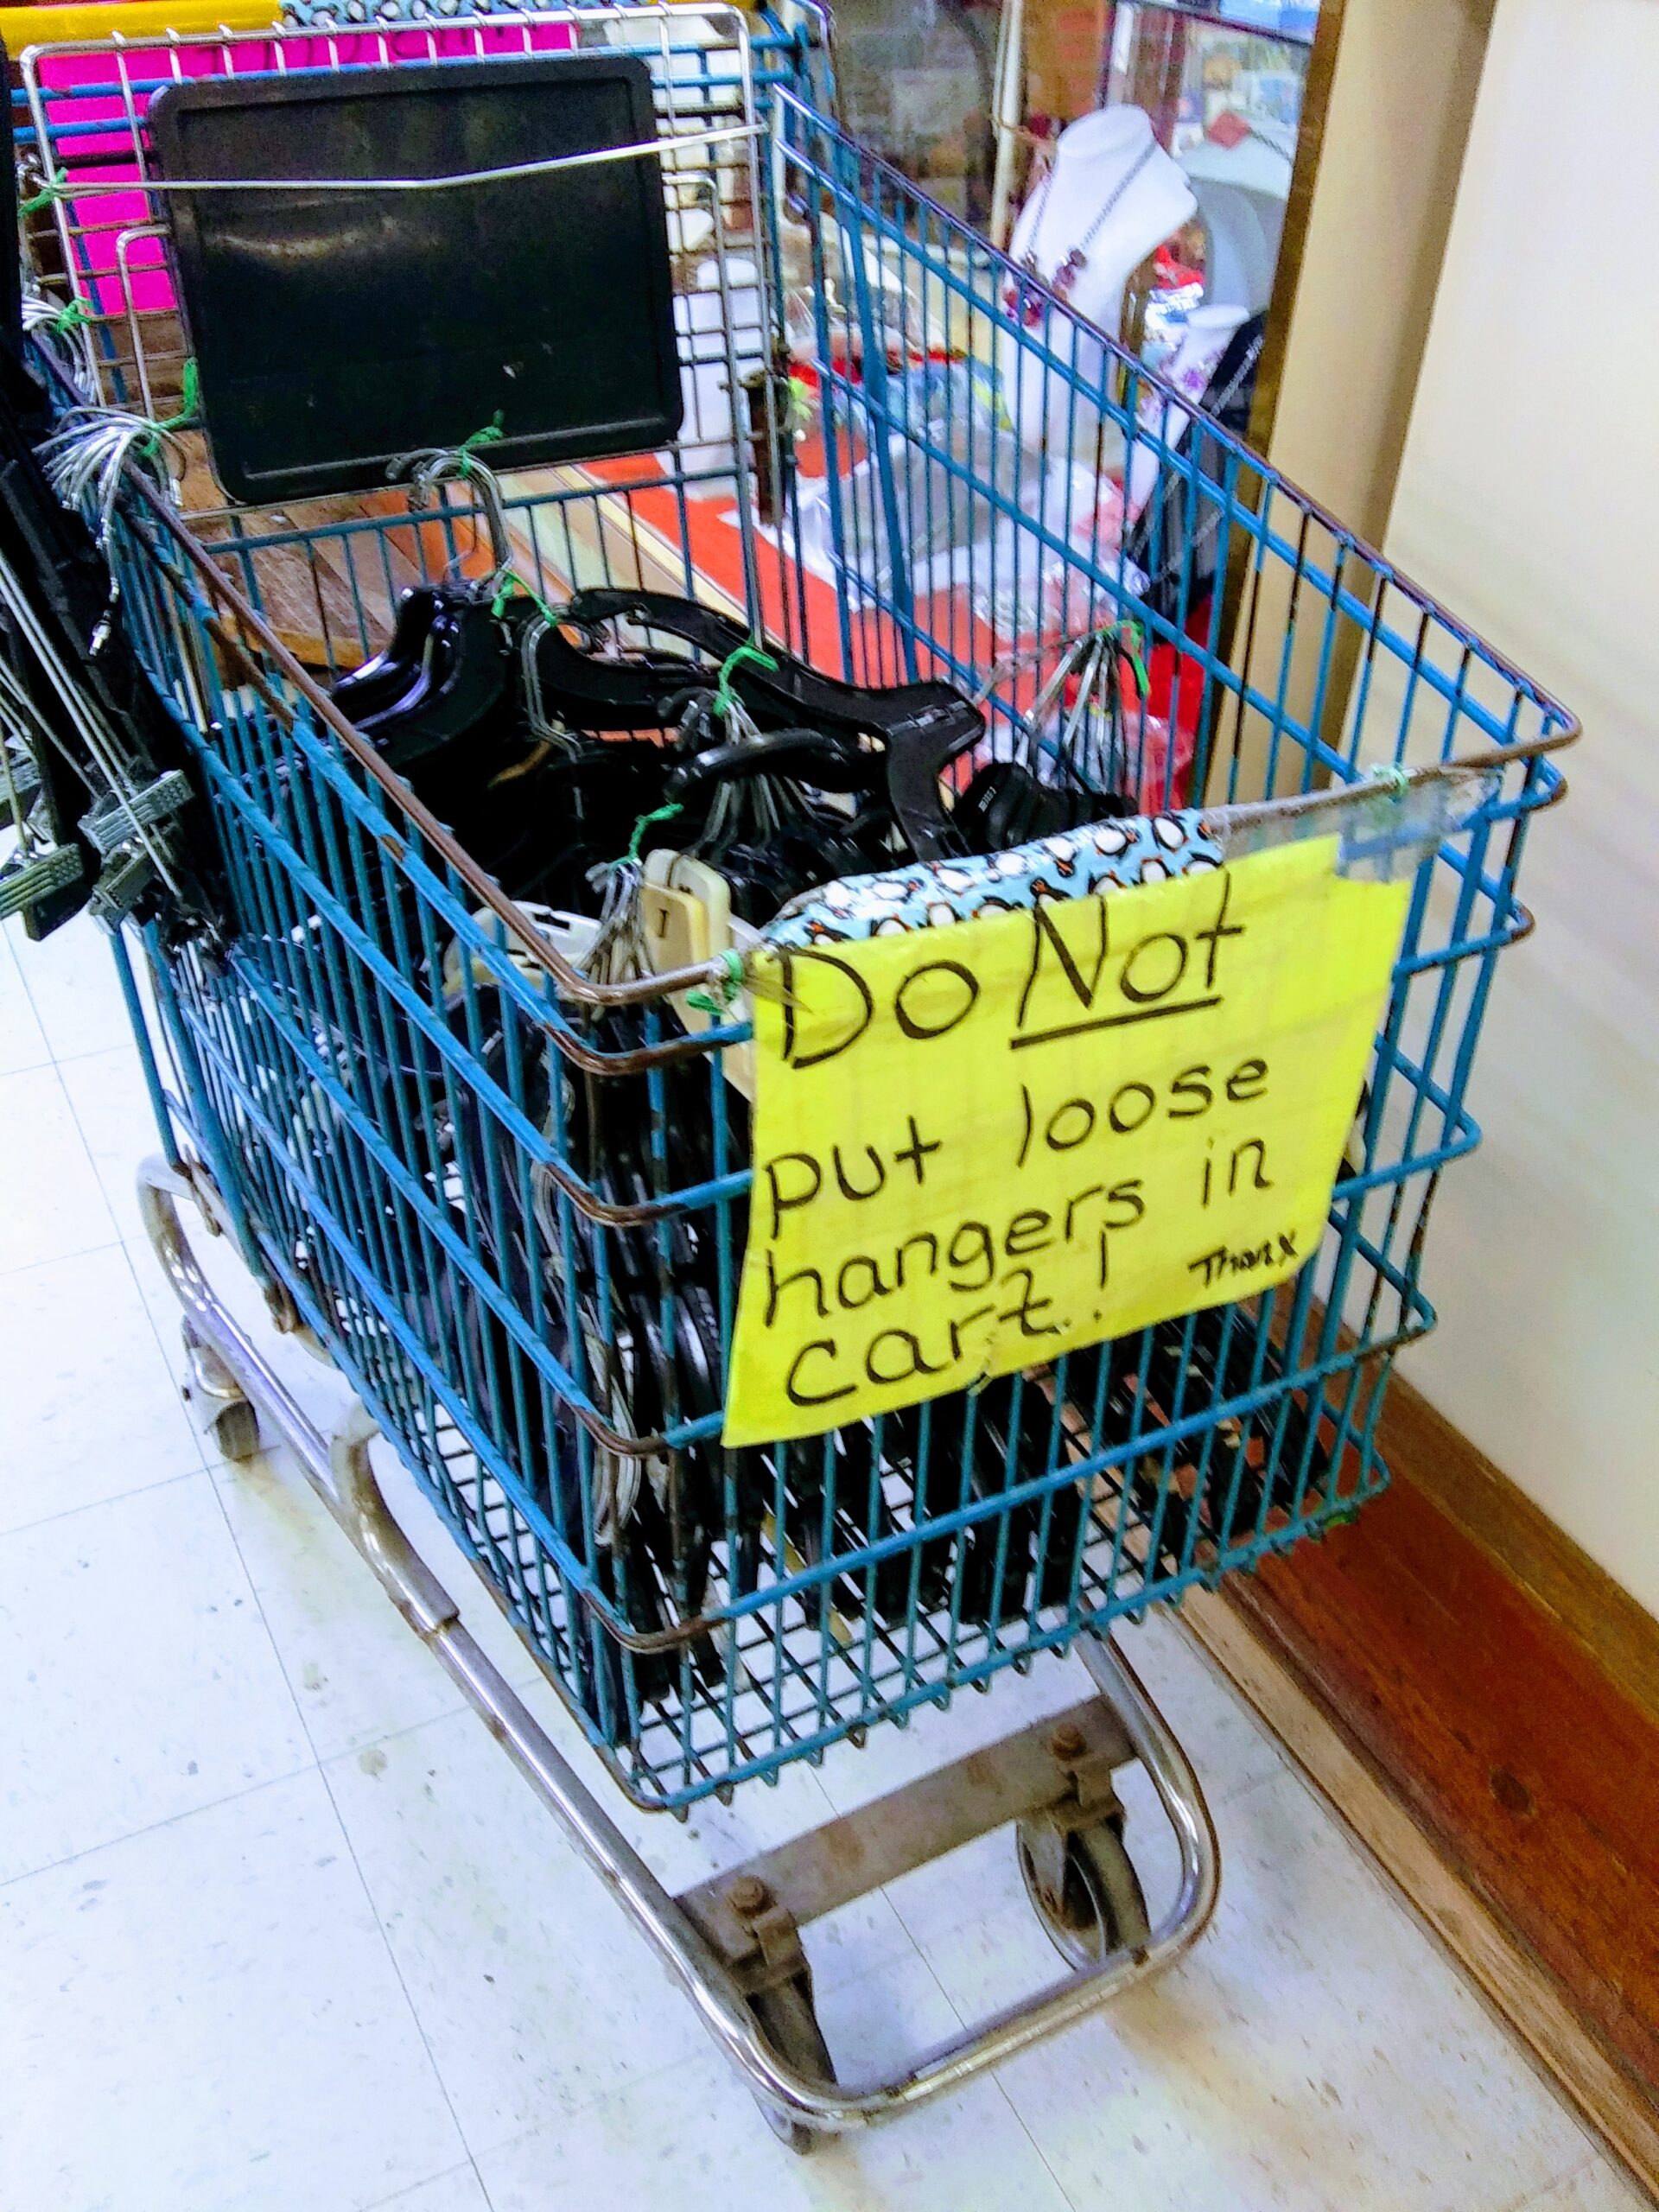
x: 280, y: 1928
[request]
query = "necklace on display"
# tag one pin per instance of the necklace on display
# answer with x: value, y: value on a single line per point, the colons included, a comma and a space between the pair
x: 1019, y: 299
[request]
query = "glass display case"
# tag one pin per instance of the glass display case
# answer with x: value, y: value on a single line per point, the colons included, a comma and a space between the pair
x: 1224, y: 84
x: 1196, y: 67
x: 969, y: 97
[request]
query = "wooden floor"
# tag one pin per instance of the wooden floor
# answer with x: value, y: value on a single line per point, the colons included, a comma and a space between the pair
x: 1535, y: 1776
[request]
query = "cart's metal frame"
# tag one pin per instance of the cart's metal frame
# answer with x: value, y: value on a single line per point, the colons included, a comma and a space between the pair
x: 734, y: 1938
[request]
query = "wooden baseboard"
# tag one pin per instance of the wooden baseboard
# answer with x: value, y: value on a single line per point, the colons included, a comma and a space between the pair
x: 1481, y: 1703
x: 1599, y: 1613
x: 1525, y: 1995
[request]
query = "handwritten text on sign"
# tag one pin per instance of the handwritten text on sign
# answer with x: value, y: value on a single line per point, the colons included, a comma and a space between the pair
x: 977, y: 1148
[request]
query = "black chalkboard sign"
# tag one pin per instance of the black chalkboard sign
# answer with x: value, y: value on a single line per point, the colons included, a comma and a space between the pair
x: 336, y: 330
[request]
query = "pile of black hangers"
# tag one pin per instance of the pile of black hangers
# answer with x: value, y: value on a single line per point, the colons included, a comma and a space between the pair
x: 494, y: 715
x: 542, y: 739
x: 550, y: 746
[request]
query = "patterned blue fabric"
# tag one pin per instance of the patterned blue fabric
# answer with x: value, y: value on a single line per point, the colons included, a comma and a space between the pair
x: 1147, y: 848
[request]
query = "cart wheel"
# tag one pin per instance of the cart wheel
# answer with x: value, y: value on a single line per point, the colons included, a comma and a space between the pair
x: 236, y: 1431
x: 1085, y: 1888
x: 216, y: 1396
x: 786, y: 2018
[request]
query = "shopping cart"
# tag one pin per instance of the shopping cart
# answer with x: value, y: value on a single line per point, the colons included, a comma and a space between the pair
x: 405, y: 1097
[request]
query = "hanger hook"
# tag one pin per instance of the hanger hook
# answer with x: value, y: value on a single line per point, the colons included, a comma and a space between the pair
x: 461, y: 465
x: 1073, y: 653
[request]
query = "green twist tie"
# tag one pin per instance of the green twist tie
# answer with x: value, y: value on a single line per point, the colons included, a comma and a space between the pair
x: 52, y: 189
x: 492, y: 434
x: 189, y: 408
x: 73, y: 317
x: 725, y: 698
x: 1390, y: 775
x: 149, y: 445
x: 798, y: 417
x: 662, y: 814
x: 1128, y: 635
x: 189, y: 397
x: 718, y: 1003
x: 509, y: 582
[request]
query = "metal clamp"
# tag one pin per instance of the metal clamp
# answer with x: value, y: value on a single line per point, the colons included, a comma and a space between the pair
x: 35, y: 872
x: 119, y: 816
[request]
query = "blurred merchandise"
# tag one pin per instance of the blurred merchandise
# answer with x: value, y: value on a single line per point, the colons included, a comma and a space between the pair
x: 916, y: 86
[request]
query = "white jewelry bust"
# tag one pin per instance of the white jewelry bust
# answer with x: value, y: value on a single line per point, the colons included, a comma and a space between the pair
x: 1112, y: 196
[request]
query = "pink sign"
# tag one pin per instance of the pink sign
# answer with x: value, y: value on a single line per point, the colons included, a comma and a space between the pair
x: 96, y: 104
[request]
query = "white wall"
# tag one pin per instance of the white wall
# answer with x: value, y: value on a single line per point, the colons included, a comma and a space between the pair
x: 1529, y: 500
x: 1402, y: 91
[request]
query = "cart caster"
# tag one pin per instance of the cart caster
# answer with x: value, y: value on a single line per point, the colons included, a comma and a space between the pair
x: 786, y: 2017
x: 1085, y: 1888
x: 792, y: 2133
x: 217, y: 1400
x: 236, y: 1432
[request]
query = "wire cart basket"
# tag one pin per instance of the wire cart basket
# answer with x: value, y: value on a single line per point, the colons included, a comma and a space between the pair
x: 505, y: 1192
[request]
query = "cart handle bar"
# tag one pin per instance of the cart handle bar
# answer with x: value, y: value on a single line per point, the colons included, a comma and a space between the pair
x: 646, y: 150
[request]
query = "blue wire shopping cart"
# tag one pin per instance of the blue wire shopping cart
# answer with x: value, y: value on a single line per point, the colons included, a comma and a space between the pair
x: 400, y: 1092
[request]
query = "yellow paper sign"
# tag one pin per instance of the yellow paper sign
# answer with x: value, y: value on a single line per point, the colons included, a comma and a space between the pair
x: 979, y: 1147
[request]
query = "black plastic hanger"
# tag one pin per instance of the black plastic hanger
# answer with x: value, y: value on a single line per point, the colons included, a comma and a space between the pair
x: 382, y: 682
x: 464, y: 666
x: 831, y: 762
x: 605, y: 691
x: 921, y: 727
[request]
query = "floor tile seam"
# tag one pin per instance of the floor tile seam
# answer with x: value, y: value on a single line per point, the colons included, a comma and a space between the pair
x: 154, y: 1827
x: 129, y: 1043
x: 446, y: 2173
x: 31, y: 1067
x: 42, y: 1003
x: 912, y: 1953
x: 221, y: 1471
x: 9, y: 1273
x: 568, y: 2110
x: 97, y: 1504
x: 278, y: 1656
x: 642, y: 2081
x: 396, y: 1964
x: 209, y: 1461
x: 81, y: 1137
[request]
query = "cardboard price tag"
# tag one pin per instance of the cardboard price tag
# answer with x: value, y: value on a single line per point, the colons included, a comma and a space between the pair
x: 979, y: 1147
